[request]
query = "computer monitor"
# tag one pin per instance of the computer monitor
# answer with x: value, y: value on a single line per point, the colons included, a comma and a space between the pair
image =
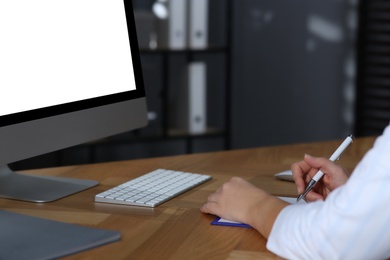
x: 70, y: 73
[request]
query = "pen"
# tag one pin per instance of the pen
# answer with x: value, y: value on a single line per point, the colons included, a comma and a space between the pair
x: 319, y: 174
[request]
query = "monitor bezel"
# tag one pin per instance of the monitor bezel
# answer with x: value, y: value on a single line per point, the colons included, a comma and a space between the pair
x: 70, y: 107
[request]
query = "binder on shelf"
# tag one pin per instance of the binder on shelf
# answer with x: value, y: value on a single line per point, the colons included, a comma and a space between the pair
x: 189, y: 110
x: 171, y: 28
x: 198, y: 13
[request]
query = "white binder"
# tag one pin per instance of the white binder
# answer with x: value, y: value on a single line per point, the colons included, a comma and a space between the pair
x: 198, y: 13
x: 172, y: 28
x: 189, y: 108
x: 197, y: 98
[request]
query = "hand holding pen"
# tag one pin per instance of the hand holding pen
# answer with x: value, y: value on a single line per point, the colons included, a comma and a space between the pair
x: 320, y: 174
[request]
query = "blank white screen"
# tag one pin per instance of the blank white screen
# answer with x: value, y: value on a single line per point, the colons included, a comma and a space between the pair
x: 55, y: 51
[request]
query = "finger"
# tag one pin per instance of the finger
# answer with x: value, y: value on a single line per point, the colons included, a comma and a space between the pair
x: 209, y: 207
x: 325, y: 165
x: 211, y: 203
x: 319, y: 163
x: 313, y: 196
x: 299, y: 170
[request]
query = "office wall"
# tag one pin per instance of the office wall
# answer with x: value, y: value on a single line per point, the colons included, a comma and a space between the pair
x: 292, y: 71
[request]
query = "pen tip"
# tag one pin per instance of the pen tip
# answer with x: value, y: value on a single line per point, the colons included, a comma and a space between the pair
x: 299, y: 198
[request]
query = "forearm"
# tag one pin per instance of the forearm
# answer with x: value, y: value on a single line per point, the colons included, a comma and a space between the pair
x: 263, y: 216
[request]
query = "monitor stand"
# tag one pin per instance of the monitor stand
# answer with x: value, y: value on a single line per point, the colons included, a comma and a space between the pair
x: 35, y: 188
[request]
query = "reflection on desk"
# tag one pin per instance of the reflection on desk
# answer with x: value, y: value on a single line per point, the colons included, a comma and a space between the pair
x: 177, y: 229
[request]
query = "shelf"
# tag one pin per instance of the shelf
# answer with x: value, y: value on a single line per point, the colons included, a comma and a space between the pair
x: 183, y: 133
x: 206, y: 50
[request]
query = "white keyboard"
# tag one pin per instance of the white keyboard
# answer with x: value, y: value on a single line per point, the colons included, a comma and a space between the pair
x: 153, y: 188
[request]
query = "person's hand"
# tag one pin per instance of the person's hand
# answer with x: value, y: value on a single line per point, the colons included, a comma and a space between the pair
x: 303, y: 172
x: 233, y: 200
x: 239, y: 200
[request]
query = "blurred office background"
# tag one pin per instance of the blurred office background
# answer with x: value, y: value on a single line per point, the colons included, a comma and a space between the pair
x: 274, y: 72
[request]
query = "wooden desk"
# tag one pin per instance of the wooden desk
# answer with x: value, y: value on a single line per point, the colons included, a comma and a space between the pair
x: 177, y: 229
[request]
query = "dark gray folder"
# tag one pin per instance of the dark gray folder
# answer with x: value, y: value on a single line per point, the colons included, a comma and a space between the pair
x: 26, y: 237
